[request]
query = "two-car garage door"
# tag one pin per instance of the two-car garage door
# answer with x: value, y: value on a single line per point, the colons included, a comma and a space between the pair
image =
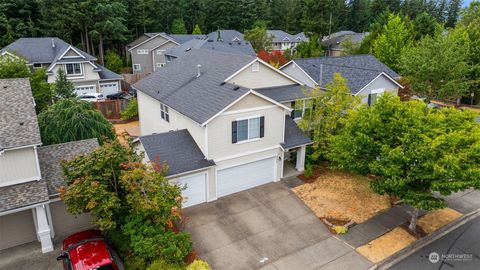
x: 245, y: 176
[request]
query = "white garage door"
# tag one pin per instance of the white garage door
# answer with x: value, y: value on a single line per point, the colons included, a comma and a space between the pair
x: 65, y: 223
x: 16, y: 229
x: 109, y: 88
x: 80, y: 90
x: 245, y: 176
x: 196, y: 191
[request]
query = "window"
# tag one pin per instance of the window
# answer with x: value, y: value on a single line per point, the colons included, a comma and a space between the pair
x: 137, y: 67
x: 248, y: 129
x: 301, y: 108
x: 160, y: 51
x: 160, y: 65
x: 73, y: 69
x: 373, y: 96
x: 164, y: 113
x: 142, y: 51
x: 255, y: 67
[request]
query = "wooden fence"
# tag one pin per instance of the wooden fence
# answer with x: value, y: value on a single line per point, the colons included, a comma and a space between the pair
x: 111, y: 109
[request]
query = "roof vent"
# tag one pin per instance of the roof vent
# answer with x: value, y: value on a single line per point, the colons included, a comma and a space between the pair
x: 188, y: 49
x: 53, y: 43
x: 158, y: 92
x: 5, y: 87
x: 236, y: 88
x: 222, y: 83
x: 21, y: 123
x: 198, y: 70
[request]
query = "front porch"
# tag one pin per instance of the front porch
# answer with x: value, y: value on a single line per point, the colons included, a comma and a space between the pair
x: 294, y: 161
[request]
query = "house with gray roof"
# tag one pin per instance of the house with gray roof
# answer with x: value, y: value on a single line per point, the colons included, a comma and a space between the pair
x: 206, y: 116
x: 366, y: 76
x: 80, y: 67
x: 336, y: 41
x: 31, y: 175
x: 282, y: 40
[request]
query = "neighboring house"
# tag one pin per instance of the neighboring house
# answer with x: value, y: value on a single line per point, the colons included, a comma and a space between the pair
x: 282, y: 40
x: 335, y: 42
x: 148, y: 52
x: 205, y: 115
x: 366, y: 76
x: 80, y: 67
x: 236, y: 47
x: 30, y: 175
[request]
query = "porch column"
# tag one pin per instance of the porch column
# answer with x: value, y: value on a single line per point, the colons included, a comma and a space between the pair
x: 300, y: 166
x: 43, y: 229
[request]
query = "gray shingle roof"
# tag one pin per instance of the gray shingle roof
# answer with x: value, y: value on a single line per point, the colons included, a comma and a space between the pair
x: 199, y: 98
x: 40, y: 50
x: 294, y: 136
x: 106, y: 74
x: 285, y: 93
x: 50, y: 158
x: 243, y: 47
x: 226, y: 35
x: 358, y: 70
x: 18, y: 120
x: 184, y: 38
x: 279, y: 36
x: 336, y: 39
x: 21, y: 195
x: 177, y: 149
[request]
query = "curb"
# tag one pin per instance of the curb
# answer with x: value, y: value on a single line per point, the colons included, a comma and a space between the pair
x: 417, y: 245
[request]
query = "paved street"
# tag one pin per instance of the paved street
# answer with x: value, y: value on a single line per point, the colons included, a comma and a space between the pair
x: 268, y: 228
x: 463, y: 241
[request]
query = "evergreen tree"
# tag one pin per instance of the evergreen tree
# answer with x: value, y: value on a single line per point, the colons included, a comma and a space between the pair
x: 178, y: 26
x: 63, y: 88
x: 424, y: 24
x: 41, y: 89
x: 197, y: 30
x: 113, y: 61
x: 453, y: 12
x: 359, y: 15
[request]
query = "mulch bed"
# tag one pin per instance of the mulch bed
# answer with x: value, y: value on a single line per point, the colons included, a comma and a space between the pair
x: 419, y: 232
x: 192, y: 256
x: 317, y: 171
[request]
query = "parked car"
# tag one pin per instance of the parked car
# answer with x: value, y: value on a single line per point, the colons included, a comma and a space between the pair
x: 88, y: 250
x: 119, y: 95
x: 92, y: 97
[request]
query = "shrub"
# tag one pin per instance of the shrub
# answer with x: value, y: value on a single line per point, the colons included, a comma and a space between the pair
x: 308, y: 170
x: 340, y: 229
x: 131, y: 110
x: 163, y: 265
x: 198, y: 265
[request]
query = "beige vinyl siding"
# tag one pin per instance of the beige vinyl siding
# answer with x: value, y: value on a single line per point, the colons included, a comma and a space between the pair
x: 220, y: 130
x: 296, y: 72
x: 65, y: 223
x: 89, y: 74
x: 151, y: 121
x: 382, y: 82
x: 19, y: 164
x: 71, y: 53
x: 146, y: 60
x: 264, y: 77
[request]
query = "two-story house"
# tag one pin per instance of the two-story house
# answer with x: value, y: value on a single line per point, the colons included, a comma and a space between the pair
x: 204, y: 114
x: 151, y: 51
x: 30, y: 175
x: 336, y: 41
x: 80, y: 67
x: 282, y: 40
x: 366, y: 76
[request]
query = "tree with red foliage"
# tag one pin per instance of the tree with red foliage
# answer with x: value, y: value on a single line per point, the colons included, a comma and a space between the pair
x: 274, y: 58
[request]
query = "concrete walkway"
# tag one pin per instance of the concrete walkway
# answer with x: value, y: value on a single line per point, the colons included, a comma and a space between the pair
x: 268, y: 228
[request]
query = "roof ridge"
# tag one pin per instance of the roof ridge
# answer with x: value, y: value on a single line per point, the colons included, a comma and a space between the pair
x: 350, y: 67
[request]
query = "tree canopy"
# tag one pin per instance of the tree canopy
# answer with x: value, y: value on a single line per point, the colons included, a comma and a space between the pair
x: 72, y: 120
x: 414, y: 151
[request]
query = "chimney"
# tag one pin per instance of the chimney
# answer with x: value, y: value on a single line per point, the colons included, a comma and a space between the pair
x: 53, y: 43
x: 198, y: 70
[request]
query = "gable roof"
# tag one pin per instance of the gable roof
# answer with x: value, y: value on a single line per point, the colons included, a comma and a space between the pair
x: 18, y: 120
x: 51, y: 156
x: 282, y: 36
x: 285, y: 93
x: 243, y: 47
x: 358, y: 70
x: 43, y: 50
x: 106, y: 74
x: 198, y: 98
x: 177, y: 149
x: 226, y: 35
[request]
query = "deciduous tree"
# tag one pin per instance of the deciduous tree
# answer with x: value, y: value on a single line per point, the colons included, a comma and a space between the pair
x: 259, y: 38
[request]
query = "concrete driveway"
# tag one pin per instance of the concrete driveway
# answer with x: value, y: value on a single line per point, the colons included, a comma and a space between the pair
x: 268, y: 228
x: 30, y: 256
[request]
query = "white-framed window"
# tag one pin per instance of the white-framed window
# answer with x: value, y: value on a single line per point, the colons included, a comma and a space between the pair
x: 142, y: 51
x: 301, y: 108
x: 73, y: 69
x: 164, y: 112
x: 255, y: 67
x: 373, y: 96
x: 248, y: 129
x: 159, y: 65
x: 160, y: 51
x: 137, y: 67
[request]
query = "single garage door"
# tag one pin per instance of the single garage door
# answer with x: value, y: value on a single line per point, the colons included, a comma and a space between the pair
x: 109, y: 88
x: 196, y: 191
x: 245, y: 176
x: 16, y: 229
x: 80, y: 90
x: 65, y: 223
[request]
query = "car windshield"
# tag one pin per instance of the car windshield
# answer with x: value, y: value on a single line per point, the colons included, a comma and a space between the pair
x: 106, y: 267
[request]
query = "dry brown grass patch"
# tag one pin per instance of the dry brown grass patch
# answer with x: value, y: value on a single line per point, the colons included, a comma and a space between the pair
x: 341, y: 195
x: 434, y: 220
x: 386, y: 245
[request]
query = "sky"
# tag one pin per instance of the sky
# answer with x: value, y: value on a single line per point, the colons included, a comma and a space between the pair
x: 466, y: 3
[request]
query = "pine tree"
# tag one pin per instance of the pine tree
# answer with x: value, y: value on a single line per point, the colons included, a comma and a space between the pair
x: 197, y: 30
x: 178, y: 27
x: 63, y: 88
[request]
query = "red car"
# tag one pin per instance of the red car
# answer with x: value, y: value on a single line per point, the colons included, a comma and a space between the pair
x: 87, y: 250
